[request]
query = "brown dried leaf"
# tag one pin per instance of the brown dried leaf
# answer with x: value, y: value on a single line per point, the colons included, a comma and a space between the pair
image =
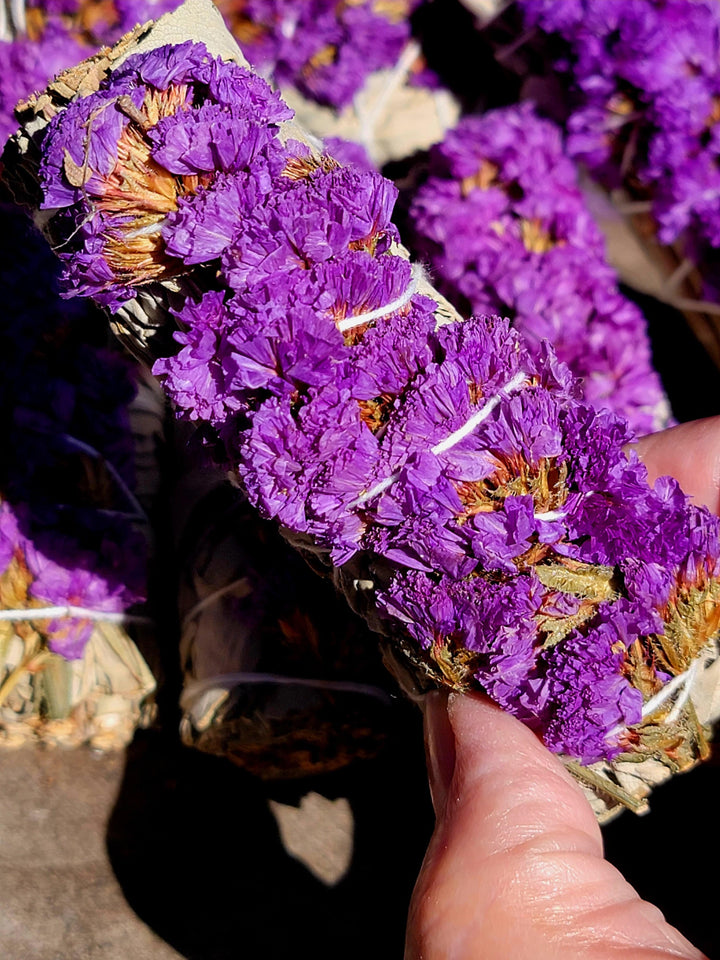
x: 85, y: 78
x: 75, y: 175
x: 14, y: 585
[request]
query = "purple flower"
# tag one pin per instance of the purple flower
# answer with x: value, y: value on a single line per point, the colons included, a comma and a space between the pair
x: 307, y: 469
x: 205, y: 224
x: 213, y: 138
x: 55, y: 584
x: 10, y: 536
x: 325, y: 48
x: 126, y: 160
x: 496, y: 525
x: 194, y: 377
x: 643, y: 80
x: 507, y: 230
x: 587, y: 700
x: 312, y: 221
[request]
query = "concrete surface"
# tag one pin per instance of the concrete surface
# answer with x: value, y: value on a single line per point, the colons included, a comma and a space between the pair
x: 167, y: 853
x: 59, y: 897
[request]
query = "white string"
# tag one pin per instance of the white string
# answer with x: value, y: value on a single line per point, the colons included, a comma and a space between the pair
x: 469, y: 426
x: 654, y: 703
x: 242, y: 585
x: 487, y: 10
x: 684, y: 693
x: 550, y: 515
x: 12, y: 19
x: 634, y: 206
x: 397, y: 304
x: 149, y: 231
x: 683, y: 682
x: 376, y: 490
x: 71, y: 612
x: 678, y: 276
x: 455, y: 437
x: 561, y: 514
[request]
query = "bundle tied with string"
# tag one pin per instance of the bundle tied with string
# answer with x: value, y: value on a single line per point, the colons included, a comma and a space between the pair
x: 484, y: 520
x: 73, y: 532
x: 635, y: 87
x: 72, y: 674
x: 279, y: 676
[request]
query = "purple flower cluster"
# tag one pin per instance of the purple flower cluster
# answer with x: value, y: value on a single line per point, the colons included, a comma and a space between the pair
x: 153, y: 149
x: 58, y: 34
x: 324, y: 48
x: 506, y: 230
x: 46, y: 569
x: 497, y: 528
x: 65, y: 534
x: 645, y: 88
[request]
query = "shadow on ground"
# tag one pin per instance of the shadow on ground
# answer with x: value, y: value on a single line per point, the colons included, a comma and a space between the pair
x: 197, y: 852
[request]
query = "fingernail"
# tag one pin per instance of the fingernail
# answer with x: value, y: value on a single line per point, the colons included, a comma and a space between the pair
x: 439, y: 749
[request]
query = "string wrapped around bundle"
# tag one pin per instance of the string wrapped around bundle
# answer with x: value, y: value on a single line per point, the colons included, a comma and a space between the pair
x: 279, y: 676
x: 79, y: 437
x: 488, y: 524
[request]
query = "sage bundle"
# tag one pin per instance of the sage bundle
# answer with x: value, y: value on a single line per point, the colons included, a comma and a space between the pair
x: 279, y: 676
x: 636, y: 88
x: 486, y: 521
x: 73, y: 535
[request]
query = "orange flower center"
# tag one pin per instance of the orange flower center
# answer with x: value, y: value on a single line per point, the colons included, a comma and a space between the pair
x: 142, y: 191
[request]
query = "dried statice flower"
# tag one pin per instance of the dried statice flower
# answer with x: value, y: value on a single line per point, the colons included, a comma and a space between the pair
x: 125, y: 163
x: 56, y: 35
x: 324, y: 48
x: 484, y: 519
x: 507, y: 231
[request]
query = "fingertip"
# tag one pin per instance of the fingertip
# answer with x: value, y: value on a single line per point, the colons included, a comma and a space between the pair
x: 690, y: 452
x: 505, y: 770
x: 481, y: 726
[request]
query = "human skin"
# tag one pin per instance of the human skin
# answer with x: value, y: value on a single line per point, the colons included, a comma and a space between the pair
x: 515, y: 866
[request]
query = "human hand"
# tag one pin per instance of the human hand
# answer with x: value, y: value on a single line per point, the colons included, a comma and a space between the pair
x: 515, y: 865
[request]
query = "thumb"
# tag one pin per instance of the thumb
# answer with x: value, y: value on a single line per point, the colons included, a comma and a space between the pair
x: 515, y: 867
x: 689, y: 452
x: 481, y: 761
